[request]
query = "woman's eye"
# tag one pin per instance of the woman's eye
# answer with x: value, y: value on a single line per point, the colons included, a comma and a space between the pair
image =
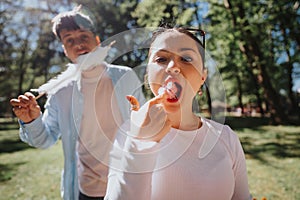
x: 186, y: 59
x: 160, y: 60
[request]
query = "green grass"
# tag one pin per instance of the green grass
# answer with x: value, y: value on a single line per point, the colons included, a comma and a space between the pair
x: 272, y: 153
x: 273, y: 161
x: 27, y: 173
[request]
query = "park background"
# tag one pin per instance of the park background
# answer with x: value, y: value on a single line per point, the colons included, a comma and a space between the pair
x: 254, y: 43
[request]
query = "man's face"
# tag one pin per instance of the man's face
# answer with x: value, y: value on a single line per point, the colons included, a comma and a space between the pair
x: 78, y: 42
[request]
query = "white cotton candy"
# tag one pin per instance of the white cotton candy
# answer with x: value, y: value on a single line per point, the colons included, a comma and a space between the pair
x: 73, y: 72
x: 93, y: 58
x: 169, y: 85
x: 56, y: 83
x: 161, y: 90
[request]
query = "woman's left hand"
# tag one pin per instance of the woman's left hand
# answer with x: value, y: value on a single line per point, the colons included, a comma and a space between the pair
x: 150, y: 122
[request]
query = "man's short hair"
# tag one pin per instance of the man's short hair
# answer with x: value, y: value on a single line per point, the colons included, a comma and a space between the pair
x: 72, y: 20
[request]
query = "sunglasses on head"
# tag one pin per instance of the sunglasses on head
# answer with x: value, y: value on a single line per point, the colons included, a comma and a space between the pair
x: 198, y: 33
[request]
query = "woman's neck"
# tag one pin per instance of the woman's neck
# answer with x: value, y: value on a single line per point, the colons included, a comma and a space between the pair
x: 185, y: 121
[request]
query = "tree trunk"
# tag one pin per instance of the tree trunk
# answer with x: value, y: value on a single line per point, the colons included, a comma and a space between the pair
x: 240, y: 93
x: 21, y: 66
x: 294, y: 109
x: 257, y: 94
x: 251, y: 50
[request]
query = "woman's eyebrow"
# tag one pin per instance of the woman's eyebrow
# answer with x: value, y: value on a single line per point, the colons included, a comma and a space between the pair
x: 180, y: 50
x: 188, y: 49
x: 161, y: 50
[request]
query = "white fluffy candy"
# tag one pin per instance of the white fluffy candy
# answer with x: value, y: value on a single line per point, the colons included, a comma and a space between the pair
x: 162, y: 89
x: 93, y: 58
x: 73, y: 72
x: 169, y: 85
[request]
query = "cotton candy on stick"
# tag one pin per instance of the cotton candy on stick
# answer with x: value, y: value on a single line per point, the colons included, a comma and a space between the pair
x: 73, y: 72
x: 163, y: 89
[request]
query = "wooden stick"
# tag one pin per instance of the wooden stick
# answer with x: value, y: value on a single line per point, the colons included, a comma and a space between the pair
x: 40, y: 95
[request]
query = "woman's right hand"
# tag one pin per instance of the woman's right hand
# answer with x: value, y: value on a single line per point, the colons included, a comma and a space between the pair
x: 150, y: 122
x: 26, y: 107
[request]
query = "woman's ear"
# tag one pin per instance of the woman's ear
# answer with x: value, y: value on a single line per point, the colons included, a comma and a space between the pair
x: 204, y: 76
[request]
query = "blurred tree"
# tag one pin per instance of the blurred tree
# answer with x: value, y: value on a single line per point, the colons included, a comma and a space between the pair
x: 28, y: 46
x: 256, y: 44
x: 169, y: 11
x: 286, y: 22
x: 252, y: 29
x: 5, y: 60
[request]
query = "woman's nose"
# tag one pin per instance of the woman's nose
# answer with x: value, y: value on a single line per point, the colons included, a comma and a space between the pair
x: 172, y: 68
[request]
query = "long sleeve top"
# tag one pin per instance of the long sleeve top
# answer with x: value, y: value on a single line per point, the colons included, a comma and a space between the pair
x: 204, y: 164
x: 62, y: 119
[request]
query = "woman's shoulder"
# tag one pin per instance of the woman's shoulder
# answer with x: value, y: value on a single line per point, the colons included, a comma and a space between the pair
x: 227, y: 138
x: 225, y: 132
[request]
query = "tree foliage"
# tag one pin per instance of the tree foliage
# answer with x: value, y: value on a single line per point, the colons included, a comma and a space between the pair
x: 255, y: 43
x: 252, y: 38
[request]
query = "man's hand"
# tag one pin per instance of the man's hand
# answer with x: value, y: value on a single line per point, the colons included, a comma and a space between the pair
x: 26, y: 107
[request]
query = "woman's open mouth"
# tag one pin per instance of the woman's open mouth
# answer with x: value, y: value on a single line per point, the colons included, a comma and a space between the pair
x: 173, y: 89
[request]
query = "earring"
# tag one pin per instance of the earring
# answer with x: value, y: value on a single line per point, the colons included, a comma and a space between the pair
x: 200, y: 92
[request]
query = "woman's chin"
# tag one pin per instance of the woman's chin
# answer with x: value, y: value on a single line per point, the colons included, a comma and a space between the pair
x: 171, y: 107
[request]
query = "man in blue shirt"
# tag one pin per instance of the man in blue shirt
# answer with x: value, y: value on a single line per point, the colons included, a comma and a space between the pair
x: 85, y: 113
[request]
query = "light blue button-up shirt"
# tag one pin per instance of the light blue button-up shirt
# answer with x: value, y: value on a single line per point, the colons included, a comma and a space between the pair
x: 62, y: 118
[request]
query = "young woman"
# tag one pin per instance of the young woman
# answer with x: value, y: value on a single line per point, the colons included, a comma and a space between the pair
x: 166, y: 151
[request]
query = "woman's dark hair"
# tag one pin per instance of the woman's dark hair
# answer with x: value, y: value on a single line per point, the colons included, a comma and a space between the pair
x: 72, y: 20
x: 167, y: 27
